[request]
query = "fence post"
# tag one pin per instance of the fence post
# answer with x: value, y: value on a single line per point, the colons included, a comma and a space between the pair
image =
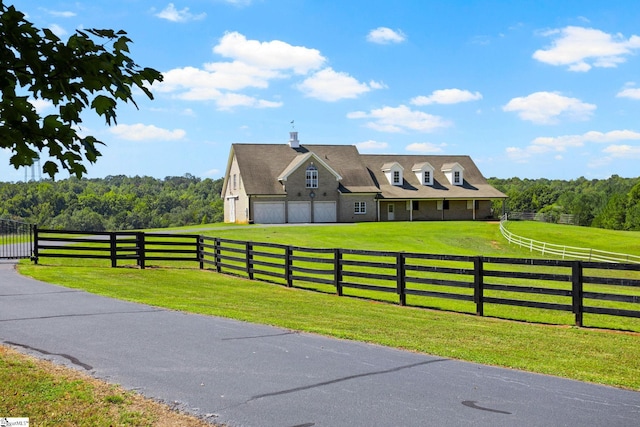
x: 113, y: 241
x: 141, y: 249
x: 216, y: 245
x: 577, y: 291
x: 337, y: 270
x: 478, y: 284
x: 249, y: 259
x: 200, y: 249
x: 287, y: 266
x: 401, y: 277
x: 35, y: 251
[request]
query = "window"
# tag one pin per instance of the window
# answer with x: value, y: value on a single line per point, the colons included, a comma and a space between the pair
x: 427, y: 177
x: 396, y: 177
x: 416, y: 205
x: 312, y: 176
x: 445, y: 205
x: 360, y: 208
x: 235, y: 181
x: 456, y: 177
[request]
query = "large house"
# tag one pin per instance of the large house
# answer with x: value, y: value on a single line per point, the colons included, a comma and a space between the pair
x: 294, y: 183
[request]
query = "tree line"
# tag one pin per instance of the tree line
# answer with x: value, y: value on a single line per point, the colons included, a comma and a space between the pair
x: 126, y: 203
x: 612, y: 203
x: 113, y: 203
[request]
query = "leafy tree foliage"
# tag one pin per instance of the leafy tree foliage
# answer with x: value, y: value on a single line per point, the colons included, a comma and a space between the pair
x: 114, y: 203
x: 611, y: 203
x: 91, y: 70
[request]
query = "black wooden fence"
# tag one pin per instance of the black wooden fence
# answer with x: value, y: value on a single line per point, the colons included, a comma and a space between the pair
x: 16, y: 239
x: 576, y: 287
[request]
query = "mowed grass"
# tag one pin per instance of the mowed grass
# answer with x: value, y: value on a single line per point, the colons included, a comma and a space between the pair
x: 625, y: 242
x: 600, y: 356
x: 452, y: 238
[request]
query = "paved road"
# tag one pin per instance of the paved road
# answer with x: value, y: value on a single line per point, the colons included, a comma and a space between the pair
x: 243, y: 374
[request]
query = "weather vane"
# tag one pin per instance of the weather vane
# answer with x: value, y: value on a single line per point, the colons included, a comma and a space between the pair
x: 292, y: 125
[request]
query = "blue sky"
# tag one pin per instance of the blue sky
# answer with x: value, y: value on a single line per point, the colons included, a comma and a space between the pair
x: 526, y: 88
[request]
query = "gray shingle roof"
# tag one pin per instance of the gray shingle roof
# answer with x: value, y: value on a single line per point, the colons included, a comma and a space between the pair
x: 475, y: 185
x: 262, y: 164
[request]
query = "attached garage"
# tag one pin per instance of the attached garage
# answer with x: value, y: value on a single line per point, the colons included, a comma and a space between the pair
x: 299, y: 212
x: 268, y: 212
x: 324, y: 212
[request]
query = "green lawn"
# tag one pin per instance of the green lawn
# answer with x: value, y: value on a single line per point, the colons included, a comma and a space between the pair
x: 600, y: 356
x: 626, y: 242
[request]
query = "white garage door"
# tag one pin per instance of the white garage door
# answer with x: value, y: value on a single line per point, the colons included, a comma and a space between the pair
x: 299, y: 212
x: 268, y: 212
x: 324, y: 212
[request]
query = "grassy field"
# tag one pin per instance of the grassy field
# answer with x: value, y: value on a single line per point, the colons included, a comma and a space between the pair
x: 626, y: 242
x: 601, y: 356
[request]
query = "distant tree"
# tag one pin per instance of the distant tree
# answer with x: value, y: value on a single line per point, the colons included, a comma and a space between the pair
x: 614, y: 213
x: 632, y: 221
x: 91, y: 70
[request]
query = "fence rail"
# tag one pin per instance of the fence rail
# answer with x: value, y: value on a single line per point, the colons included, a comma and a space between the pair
x: 565, y: 252
x: 16, y: 239
x: 576, y: 287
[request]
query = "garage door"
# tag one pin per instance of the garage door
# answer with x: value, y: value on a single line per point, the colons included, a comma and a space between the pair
x: 268, y: 212
x: 324, y: 212
x: 299, y: 212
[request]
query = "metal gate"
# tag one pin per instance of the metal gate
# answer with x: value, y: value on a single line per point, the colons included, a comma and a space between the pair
x: 16, y: 239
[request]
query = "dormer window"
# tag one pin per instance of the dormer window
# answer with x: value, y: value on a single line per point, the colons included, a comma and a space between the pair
x: 424, y: 173
x: 393, y: 173
x: 454, y: 173
x: 312, y: 176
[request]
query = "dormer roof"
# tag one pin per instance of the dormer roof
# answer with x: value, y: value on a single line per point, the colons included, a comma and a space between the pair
x: 419, y: 167
x: 447, y: 167
x: 388, y: 166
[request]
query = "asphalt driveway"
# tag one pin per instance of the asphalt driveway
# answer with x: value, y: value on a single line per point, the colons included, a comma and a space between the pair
x: 243, y: 374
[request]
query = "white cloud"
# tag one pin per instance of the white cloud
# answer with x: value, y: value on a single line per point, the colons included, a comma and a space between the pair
x: 582, y: 48
x: 546, y: 144
x: 170, y: 13
x: 623, y: 151
x: 231, y: 100
x: 58, y: 30
x: 630, y: 92
x: 546, y: 107
x: 425, y: 147
x: 371, y: 145
x: 193, y: 84
x: 273, y: 55
x: 61, y: 13
x: 41, y: 105
x: 384, y: 35
x: 447, y: 96
x: 400, y: 119
x: 141, y: 132
x: 329, y: 85
x: 255, y: 64
x: 518, y: 155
